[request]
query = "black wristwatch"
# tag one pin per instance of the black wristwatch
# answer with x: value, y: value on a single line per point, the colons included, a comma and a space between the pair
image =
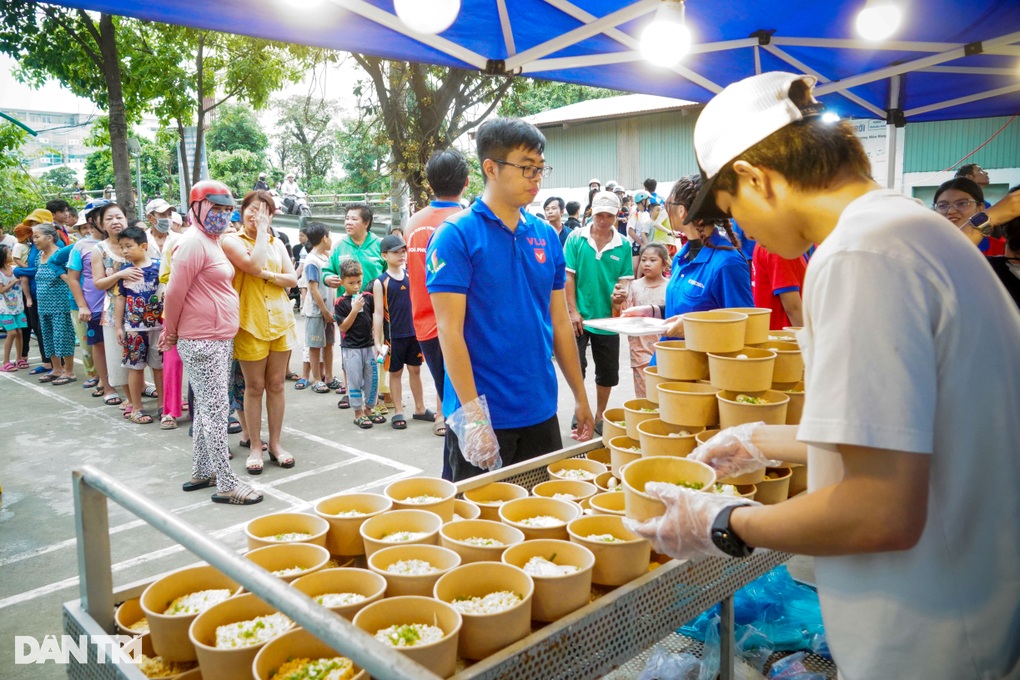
x: 981, y: 222
x: 725, y: 538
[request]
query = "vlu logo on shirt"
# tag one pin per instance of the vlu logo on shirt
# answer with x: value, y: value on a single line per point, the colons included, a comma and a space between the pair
x: 540, y: 255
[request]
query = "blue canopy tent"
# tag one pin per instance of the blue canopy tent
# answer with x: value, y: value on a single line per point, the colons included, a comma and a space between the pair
x: 950, y: 59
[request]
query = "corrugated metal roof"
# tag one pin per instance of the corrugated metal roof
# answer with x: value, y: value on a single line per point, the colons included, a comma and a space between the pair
x: 939, y: 145
x: 610, y: 107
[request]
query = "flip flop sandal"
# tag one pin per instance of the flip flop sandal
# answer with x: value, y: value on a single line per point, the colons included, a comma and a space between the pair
x: 66, y: 380
x: 99, y: 392
x: 38, y: 369
x: 285, y: 463
x: 334, y: 384
x: 398, y: 422
x: 140, y: 418
x: 377, y: 418
x: 341, y: 390
x: 320, y: 388
x: 363, y: 422
x: 9, y: 368
x: 292, y: 376
x: 90, y: 383
x: 196, y: 484
x: 301, y: 384
x: 428, y: 416
x: 126, y: 412
x: 48, y: 378
x: 168, y: 422
x: 345, y: 402
x: 22, y: 363
x: 233, y: 425
x: 439, y: 429
x: 150, y: 392
x: 242, y: 494
x: 111, y: 399
x: 253, y: 466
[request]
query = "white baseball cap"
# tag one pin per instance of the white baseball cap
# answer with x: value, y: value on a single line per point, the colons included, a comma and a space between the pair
x: 156, y: 205
x: 736, y: 119
x: 605, y: 202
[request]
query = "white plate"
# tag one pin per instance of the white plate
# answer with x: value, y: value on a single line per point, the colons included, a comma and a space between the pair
x: 629, y: 325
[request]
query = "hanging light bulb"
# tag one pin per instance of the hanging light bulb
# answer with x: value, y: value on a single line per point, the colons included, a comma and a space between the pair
x: 830, y: 117
x: 427, y: 16
x: 666, y: 39
x: 879, y: 19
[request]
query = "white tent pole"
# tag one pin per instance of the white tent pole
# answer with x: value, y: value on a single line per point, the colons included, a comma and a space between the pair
x: 627, y: 41
x: 907, y: 67
x: 855, y: 44
x: 973, y: 70
x: 891, y: 133
x: 963, y: 100
x: 504, y: 23
x: 620, y: 16
x: 757, y: 61
x: 557, y: 63
x: 383, y: 18
x: 793, y: 61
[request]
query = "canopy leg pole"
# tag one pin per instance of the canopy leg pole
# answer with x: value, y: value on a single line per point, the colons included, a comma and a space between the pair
x: 892, y: 132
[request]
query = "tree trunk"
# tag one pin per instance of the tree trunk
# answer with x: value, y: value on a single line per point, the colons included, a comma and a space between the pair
x: 196, y: 174
x: 183, y: 170
x: 118, y: 116
x: 398, y: 202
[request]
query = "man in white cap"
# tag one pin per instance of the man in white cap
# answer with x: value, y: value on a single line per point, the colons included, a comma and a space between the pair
x: 157, y: 214
x: 290, y: 186
x: 910, y: 424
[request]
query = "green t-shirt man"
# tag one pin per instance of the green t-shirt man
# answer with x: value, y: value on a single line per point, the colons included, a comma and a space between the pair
x: 597, y: 272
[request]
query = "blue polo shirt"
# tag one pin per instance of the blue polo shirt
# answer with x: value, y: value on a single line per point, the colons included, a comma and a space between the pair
x: 508, y: 278
x: 714, y: 279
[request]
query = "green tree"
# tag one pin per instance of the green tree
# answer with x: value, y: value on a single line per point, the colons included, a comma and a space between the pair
x: 307, y: 137
x: 155, y: 166
x: 235, y: 127
x: 543, y: 95
x: 365, y: 154
x: 237, y: 169
x: 19, y: 191
x: 58, y: 180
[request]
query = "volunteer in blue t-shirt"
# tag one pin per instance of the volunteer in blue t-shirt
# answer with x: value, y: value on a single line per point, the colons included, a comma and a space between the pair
x: 496, y: 276
x: 709, y: 272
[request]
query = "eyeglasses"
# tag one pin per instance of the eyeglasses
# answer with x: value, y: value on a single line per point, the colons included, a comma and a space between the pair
x: 529, y: 171
x: 944, y: 206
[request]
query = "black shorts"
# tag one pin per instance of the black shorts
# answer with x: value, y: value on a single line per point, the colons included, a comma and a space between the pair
x: 605, y: 350
x: 94, y: 330
x: 403, y: 351
x: 515, y: 445
x: 434, y: 359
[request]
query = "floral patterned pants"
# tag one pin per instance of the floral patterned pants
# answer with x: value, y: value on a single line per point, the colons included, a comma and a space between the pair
x: 208, y: 365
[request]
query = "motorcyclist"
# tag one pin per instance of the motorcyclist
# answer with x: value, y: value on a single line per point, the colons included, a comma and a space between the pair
x: 290, y: 187
x: 261, y: 184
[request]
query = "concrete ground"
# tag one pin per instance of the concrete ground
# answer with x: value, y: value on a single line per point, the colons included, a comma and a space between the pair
x: 46, y: 432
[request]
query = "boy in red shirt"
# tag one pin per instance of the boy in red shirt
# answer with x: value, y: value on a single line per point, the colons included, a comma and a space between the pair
x: 777, y: 285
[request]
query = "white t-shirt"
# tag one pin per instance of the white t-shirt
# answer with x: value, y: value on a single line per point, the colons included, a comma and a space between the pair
x: 9, y: 241
x: 314, y: 264
x: 910, y: 343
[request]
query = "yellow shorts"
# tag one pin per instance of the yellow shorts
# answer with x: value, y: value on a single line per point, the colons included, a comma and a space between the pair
x: 249, y: 348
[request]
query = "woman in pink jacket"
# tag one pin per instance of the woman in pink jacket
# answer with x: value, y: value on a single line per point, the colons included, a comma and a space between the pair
x: 200, y: 316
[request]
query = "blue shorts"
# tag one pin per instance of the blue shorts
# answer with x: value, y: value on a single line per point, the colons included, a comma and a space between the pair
x: 12, y: 322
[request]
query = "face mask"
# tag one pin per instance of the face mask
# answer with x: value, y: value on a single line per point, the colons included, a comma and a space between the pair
x: 163, y: 225
x: 216, y: 222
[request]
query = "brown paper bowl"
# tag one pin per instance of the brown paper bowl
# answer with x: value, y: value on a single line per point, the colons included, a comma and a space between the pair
x: 398, y: 585
x: 758, y: 319
x: 772, y: 491
x: 688, y: 404
x: 748, y: 491
x: 170, y: 633
x: 485, y: 634
x: 514, y: 512
x: 639, y: 505
x: 733, y: 413
x: 795, y: 391
x: 298, y: 643
x: 227, y: 663
x: 652, y: 380
x: 633, y: 415
x: 344, y: 537
x: 453, y: 536
x: 465, y: 510
x: 403, y: 489
x: 310, y: 558
x: 611, y: 503
x: 600, y: 456
x: 580, y: 492
x: 439, y: 657
x: 361, y: 581
x: 750, y: 374
x: 798, y: 478
x: 715, y: 331
x: 659, y: 438
x: 602, y: 482
x: 620, y: 450
x: 610, y: 428
x: 675, y: 362
x: 789, y: 362
x: 260, y: 531
x: 615, y: 563
x: 575, y: 469
x: 555, y: 596
x: 419, y: 521
x: 488, y: 498
x: 127, y: 614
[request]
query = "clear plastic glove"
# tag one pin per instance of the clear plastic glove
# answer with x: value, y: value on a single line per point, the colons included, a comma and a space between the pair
x: 731, y: 452
x: 684, y: 531
x: 475, y: 435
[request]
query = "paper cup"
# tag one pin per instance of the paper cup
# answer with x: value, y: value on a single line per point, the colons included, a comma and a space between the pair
x: 715, y: 331
x: 368, y: 584
x: 488, y: 498
x: 344, y: 537
x: 558, y: 595
x: 375, y: 529
x: 408, y: 494
x: 456, y: 536
x: 639, y: 505
x: 659, y: 438
x: 618, y: 562
x: 399, y: 584
x: 262, y: 531
x: 439, y: 657
x: 747, y: 370
x: 678, y: 363
x: 688, y: 404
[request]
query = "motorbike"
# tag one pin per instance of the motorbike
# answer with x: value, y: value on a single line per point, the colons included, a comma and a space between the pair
x: 296, y: 205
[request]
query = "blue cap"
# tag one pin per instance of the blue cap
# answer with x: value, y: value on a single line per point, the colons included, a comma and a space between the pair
x: 236, y: 216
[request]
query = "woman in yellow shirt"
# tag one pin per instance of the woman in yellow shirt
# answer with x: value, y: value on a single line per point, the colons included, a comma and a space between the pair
x: 263, y: 273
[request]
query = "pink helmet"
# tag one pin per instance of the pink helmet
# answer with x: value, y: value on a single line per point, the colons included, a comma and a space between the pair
x: 212, y: 191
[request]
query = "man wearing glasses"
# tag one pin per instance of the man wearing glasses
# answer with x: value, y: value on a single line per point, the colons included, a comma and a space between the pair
x: 496, y: 276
